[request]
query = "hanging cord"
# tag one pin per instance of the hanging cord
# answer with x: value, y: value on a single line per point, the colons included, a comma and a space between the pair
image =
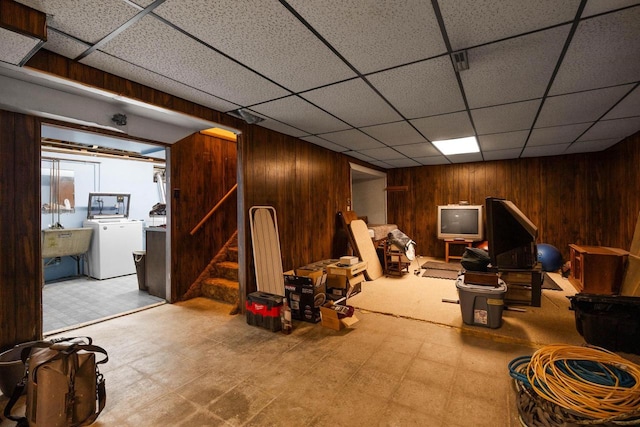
x: 589, y: 381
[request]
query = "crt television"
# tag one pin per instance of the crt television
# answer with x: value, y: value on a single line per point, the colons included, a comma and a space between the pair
x: 511, y: 235
x: 460, y: 222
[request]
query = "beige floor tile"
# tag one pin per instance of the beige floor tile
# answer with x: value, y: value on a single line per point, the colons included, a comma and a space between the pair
x: 191, y: 363
x: 397, y: 415
x: 428, y: 399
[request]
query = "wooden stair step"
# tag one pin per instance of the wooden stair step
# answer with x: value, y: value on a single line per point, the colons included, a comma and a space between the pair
x: 226, y: 269
x: 221, y: 289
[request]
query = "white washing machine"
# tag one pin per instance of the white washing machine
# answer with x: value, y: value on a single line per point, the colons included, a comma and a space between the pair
x: 115, y: 237
x: 112, y: 245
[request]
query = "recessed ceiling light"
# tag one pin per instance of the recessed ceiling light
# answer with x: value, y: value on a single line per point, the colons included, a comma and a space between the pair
x: 457, y: 145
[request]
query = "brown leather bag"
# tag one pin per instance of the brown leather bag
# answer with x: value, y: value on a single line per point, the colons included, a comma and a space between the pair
x: 64, y: 385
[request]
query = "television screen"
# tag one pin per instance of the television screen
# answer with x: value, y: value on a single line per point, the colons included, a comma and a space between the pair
x: 460, y: 222
x: 510, y: 234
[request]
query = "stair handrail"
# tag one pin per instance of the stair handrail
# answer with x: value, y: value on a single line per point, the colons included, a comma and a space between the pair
x: 213, y: 209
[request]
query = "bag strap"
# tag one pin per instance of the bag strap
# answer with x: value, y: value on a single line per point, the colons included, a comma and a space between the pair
x: 17, y: 392
x: 101, y: 392
x: 102, y: 400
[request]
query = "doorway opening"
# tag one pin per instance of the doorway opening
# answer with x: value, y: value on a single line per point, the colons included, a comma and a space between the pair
x: 93, y: 268
x: 368, y: 195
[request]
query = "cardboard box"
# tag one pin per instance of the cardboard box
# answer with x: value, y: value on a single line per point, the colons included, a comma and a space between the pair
x: 344, y: 286
x: 315, y: 266
x: 348, y: 271
x: 301, y: 288
x: 349, y: 260
x: 333, y: 316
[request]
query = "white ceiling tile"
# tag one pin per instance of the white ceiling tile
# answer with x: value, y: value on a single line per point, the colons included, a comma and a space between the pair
x: 603, y: 52
x: 324, y: 143
x: 143, y: 3
x: 383, y: 153
x: 592, y: 146
x: 503, y: 141
x: 375, y: 35
x: 512, y: 153
x: 471, y: 22
x: 579, y: 107
x: 15, y: 47
x: 262, y: 35
x: 505, y: 118
x: 617, y: 128
x: 545, y: 150
x: 359, y: 105
x: 380, y: 164
x: 466, y: 158
x: 89, y: 21
x: 352, y: 139
x: 497, y: 71
x: 363, y: 157
x: 628, y: 107
x: 402, y: 163
x: 63, y: 45
x: 424, y: 149
x: 398, y: 133
x: 556, y: 134
x: 447, y: 126
x: 153, y: 45
x: 300, y: 114
x: 282, y: 128
x: 118, y: 67
x: 433, y: 160
x: 595, y: 7
x: 423, y: 89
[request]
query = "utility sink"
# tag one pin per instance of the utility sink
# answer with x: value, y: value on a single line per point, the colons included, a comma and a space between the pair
x: 65, y: 242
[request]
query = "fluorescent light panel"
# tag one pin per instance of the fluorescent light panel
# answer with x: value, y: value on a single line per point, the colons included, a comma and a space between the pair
x: 465, y: 145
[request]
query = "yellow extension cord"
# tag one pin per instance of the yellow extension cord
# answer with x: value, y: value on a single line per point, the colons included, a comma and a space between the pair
x: 580, y: 395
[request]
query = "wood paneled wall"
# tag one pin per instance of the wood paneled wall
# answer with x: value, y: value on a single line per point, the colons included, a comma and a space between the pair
x: 22, y: 19
x: 203, y: 170
x: 20, y: 262
x: 306, y: 184
x: 585, y: 198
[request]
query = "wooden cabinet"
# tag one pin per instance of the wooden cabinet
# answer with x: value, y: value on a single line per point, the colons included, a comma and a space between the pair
x: 597, y: 269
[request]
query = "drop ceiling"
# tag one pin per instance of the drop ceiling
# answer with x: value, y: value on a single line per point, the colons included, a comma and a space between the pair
x: 375, y: 79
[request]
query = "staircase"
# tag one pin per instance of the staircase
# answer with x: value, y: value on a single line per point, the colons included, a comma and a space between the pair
x: 219, y: 281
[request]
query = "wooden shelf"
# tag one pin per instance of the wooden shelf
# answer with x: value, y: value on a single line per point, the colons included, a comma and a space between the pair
x: 449, y: 242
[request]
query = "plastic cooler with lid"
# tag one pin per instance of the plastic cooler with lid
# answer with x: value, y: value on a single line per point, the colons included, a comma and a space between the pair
x: 481, y: 305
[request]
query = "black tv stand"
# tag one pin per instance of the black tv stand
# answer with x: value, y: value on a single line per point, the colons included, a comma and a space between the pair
x: 524, y: 285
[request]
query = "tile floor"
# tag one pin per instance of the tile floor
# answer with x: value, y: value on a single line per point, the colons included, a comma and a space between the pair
x: 192, y: 364
x: 80, y: 300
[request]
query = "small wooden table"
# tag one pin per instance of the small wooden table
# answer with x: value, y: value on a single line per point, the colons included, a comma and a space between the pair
x: 597, y: 269
x: 448, y: 242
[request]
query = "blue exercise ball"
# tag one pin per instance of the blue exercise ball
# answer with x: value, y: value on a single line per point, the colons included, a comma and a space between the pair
x: 549, y: 256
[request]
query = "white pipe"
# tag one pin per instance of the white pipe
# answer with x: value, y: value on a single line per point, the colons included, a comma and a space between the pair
x: 161, y: 188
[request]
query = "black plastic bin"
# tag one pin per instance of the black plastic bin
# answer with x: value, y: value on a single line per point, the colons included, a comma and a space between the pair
x: 139, y: 258
x: 608, y: 321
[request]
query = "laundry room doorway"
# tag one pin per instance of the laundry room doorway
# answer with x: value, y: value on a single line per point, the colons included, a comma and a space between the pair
x: 100, y: 196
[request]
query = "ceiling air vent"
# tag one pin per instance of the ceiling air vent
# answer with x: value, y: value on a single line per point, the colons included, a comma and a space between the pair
x: 460, y: 60
x: 242, y: 114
